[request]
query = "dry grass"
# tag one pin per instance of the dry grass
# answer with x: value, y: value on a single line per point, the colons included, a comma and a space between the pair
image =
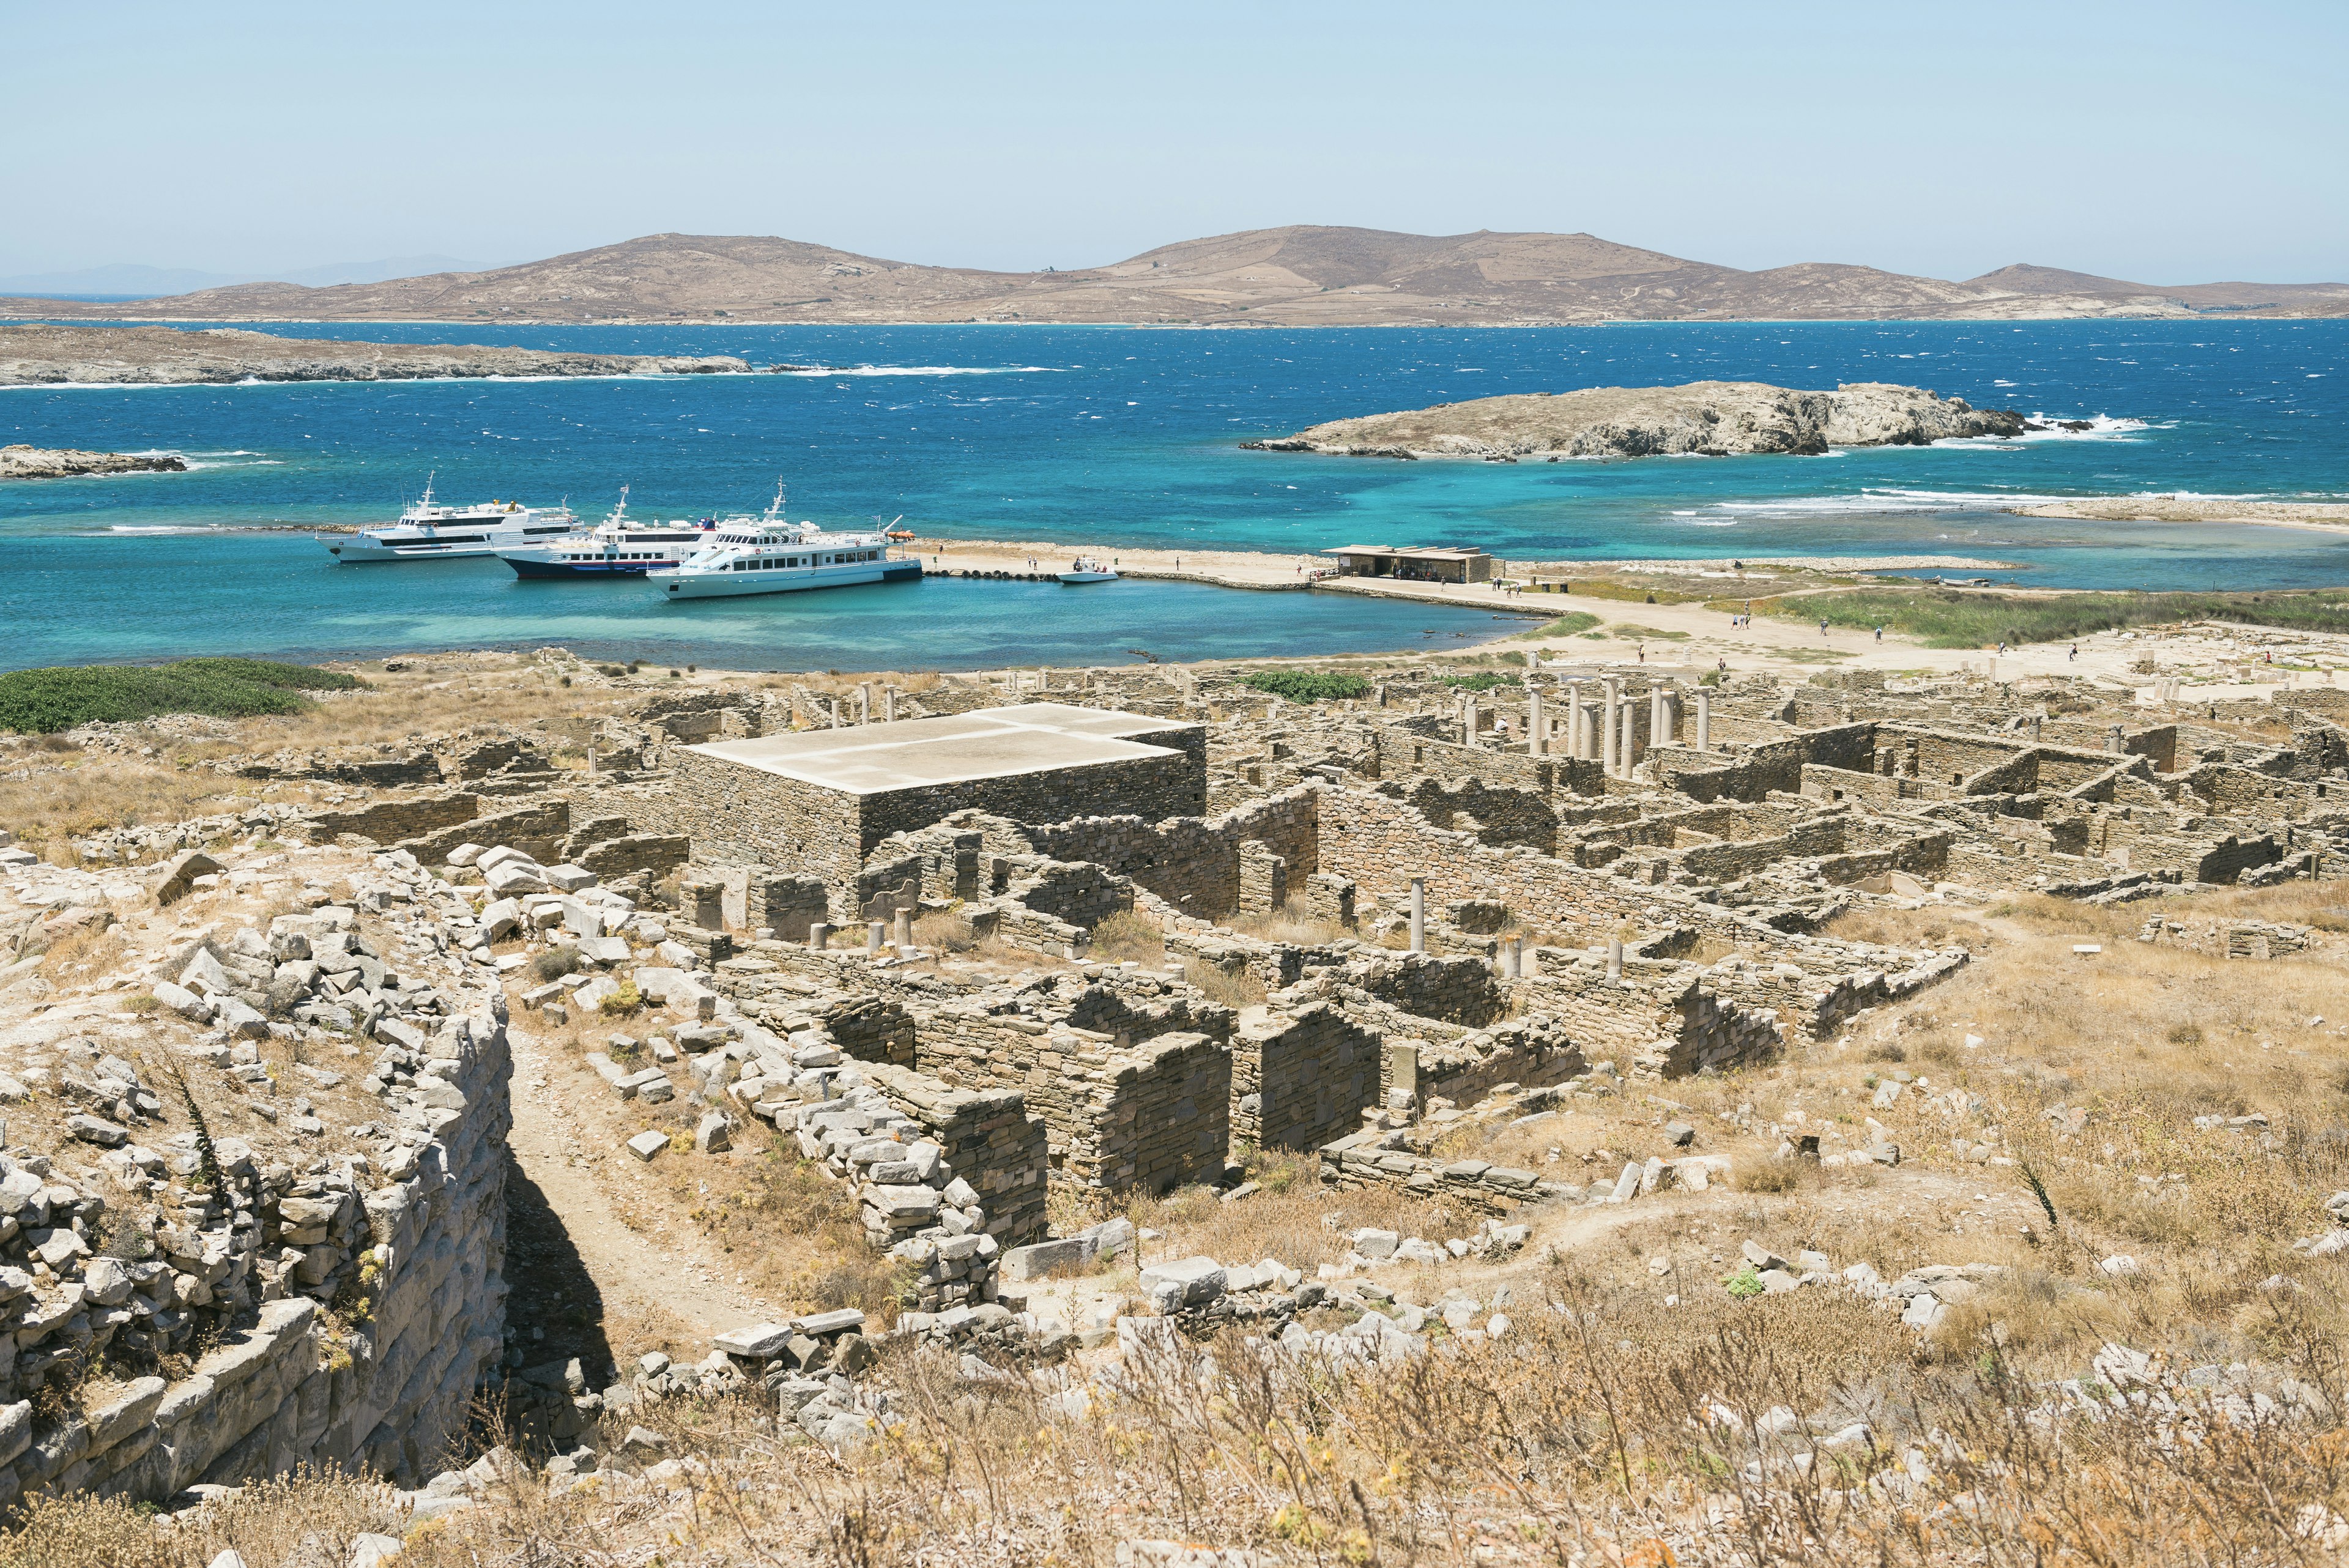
x: 1292, y: 922
x: 1126, y: 936
x: 1602, y: 1430
x: 1235, y: 990
x: 82, y: 793
x: 1292, y: 1217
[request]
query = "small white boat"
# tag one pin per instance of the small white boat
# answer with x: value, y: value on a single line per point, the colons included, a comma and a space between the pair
x: 429, y: 533
x: 772, y: 555
x: 1087, y: 569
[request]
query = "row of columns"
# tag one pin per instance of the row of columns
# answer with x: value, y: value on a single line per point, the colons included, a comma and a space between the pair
x: 1607, y: 731
x: 863, y: 706
x: 876, y: 934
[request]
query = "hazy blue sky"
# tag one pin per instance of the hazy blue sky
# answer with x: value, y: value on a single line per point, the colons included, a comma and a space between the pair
x: 2167, y: 143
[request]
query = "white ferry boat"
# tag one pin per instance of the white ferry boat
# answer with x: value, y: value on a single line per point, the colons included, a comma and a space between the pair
x: 770, y: 556
x: 1087, y: 569
x: 615, y: 548
x: 428, y: 533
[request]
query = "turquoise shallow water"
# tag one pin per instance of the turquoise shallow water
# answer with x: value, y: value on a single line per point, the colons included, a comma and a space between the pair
x: 1101, y: 437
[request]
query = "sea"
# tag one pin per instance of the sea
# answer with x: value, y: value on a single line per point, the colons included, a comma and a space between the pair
x: 1091, y: 438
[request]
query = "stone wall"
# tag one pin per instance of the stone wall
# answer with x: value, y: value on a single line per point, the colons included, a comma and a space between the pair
x: 283, y: 1387
x: 1150, y: 1118
x: 989, y: 1139
x: 391, y: 821
x: 739, y: 815
x: 1192, y: 862
x: 538, y: 830
x: 1456, y: 989
x: 1302, y: 1078
x: 1264, y: 879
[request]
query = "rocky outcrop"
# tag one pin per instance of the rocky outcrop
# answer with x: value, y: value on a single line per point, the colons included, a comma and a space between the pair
x: 44, y: 355
x: 43, y: 463
x: 1713, y: 418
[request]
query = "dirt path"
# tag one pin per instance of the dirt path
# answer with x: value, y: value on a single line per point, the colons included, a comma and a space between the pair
x: 573, y: 1262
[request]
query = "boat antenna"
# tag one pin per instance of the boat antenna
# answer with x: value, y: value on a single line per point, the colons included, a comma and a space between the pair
x: 428, y: 488
x: 776, y: 506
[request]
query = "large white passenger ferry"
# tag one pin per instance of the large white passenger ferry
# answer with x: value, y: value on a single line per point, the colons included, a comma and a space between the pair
x: 615, y: 548
x: 428, y: 533
x: 770, y: 556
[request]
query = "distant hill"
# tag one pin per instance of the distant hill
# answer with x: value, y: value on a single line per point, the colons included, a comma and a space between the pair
x: 133, y: 281
x: 1297, y: 277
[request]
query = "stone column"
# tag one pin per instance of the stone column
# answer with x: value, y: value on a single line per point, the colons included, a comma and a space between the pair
x: 1468, y: 721
x: 1614, y: 958
x: 1536, y: 741
x: 865, y: 702
x: 819, y: 936
x: 904, y: 930
x: 1574, y: 719
x: 872, y: 931
x: 1419, y: 914
x: 835, y: 703
x: 1630, y: 747
x: 1607, y: 732
x: 889, y: 704
x: 1704, y: 719
x: 1504, y: 959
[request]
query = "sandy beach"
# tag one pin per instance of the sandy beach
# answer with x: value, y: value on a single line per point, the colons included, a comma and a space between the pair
x: 2322, y: 516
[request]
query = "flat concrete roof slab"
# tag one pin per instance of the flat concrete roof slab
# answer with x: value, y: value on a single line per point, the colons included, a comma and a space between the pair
x: 991, y: 743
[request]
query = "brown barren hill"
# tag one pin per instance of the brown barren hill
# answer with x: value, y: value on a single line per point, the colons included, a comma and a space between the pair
x: 1713, y: 418
x: 51, y: 355
x: 1301, y: 275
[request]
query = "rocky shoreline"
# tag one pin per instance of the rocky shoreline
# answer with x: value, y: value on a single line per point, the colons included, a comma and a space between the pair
x: 1711, y: 418
x: 48, y: 462
x: 148, y: 356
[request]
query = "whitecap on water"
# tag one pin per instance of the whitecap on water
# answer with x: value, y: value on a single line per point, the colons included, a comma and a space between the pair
x: 923, y: 370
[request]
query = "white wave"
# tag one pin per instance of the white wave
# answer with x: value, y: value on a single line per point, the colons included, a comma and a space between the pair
x: 1882, y: 500
x: 925, y: 370
x: 2101, y: 427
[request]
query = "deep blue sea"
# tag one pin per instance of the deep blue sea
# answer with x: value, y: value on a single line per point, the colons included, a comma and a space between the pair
x: 1098, y: 437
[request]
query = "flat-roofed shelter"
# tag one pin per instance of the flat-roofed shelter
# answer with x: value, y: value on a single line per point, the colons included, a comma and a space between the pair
x: 819, y: 800
x: 1415, y: 564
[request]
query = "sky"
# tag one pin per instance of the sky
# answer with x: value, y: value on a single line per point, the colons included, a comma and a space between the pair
x: 2162, y: 143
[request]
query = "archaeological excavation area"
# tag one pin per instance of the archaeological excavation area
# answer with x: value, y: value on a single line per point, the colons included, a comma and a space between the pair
x: 1007, y: 969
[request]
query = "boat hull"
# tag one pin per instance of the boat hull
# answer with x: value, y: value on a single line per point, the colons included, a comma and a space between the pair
x: 737, y: 585
x: 1076, y: 579
x: 354, y: 551
x: 529, y: 569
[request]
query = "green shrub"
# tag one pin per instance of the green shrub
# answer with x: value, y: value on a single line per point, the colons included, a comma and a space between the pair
x: 42, y: 702
x: 1307, y: 685
x: 1480, y: 680
x: 554, y: 963
x: 1945, y: 617
x: 1744, y: 1284
x: 1566, y: 625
